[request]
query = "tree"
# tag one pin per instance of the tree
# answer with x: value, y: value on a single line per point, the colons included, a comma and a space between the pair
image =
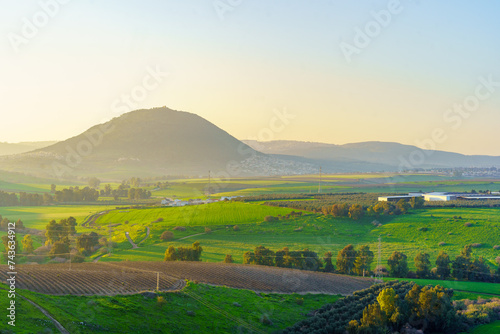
x: 328, y: 262
x: 345, y: 259
x: 87, y: 242
x: 423, y: 265
x: 431, y: 308
x: 403, y: 205
x: 60, y: 249
x: 387, y: 299
x: 249, y: 258
x: 462, y: 263
x: 356, y: 211
x: 94, y: 182
x: 264, y: 256
x: 374, y: 320
x: 479, y: 270
x: 27, y: 244
x: 363, y: 261
x: 417, y: 202
x: 228, y: 258
x: 52, y: 188
x: 170, y: 254
x: 443, y: 265
x: 398, y: 265
x: 167, y: 235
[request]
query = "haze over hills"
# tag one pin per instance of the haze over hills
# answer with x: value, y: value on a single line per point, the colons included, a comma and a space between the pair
x: 385, y: 155
x: 151, y: 142
x: 16, y: 148
x: 161, y: 141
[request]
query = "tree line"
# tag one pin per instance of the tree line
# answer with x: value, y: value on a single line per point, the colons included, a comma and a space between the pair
x: 352, y: 261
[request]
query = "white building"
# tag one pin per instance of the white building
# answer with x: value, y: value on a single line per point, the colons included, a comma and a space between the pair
x: 439, y: 196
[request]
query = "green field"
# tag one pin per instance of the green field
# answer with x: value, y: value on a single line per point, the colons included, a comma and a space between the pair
x: 38, y: 216
x: 493, y: 328
x: 314, y: 231
x: 491, y: 289
x: 213, y: 310
x: 28, y: 318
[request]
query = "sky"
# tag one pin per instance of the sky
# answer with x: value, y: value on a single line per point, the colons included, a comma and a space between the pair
x: 417, y: 72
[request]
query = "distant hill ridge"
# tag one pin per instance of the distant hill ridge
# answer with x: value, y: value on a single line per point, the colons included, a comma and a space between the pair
x: 391, y: 155
x: 147, y: 142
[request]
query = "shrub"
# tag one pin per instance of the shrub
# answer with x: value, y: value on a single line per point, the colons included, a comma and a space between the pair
x: 468, y: 224
x: 270, y: 218
x: 158, y: 220
x: 299, y: 301
x: 423, y: 229
x: 179, y: 228
x: 476, y: 245
x: 160, y: 301
x: 442, y: 243
x: 450, y: 233
x: 228, y: 258
x: 167, y: 235
x: 298, y: 229
x: 411, y: 274
x: 236, y: 228
x: 208, y: 230
x: 496, y: 247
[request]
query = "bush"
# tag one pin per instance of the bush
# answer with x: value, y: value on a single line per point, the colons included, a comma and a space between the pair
x: 179, y: 228
x: 298, y: 229
x: 228, y: 258
x: 411, y: 274
x: 423, y: 229
x: 496, y: 247
x: 167, y: 235
x: 208, y: 230
x: 476, y: 245
x: 270, y: 218
x: 236, y: 228
x: 442, y: 243
x: 468, y: 224
x: 158, y: 220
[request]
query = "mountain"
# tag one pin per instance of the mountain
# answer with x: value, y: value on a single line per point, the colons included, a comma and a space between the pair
x: 381, y: 155
x: 150, y: 142
x: 16, y: 148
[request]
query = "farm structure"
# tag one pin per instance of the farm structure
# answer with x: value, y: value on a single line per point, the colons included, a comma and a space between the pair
x: 438, y: 196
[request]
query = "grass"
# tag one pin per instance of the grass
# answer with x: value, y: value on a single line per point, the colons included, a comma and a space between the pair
x: 38, y: 217
x: 471, y: 287
x: 102, y: 314
x: 28, y: 318
x: 318, y: 233
x: 492, y: 328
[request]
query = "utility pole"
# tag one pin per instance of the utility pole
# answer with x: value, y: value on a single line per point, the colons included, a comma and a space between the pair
x: 157, y: 281
x: 319, y: 185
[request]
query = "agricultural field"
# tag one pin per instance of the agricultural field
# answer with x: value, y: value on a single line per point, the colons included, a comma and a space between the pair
x: 133, y: 277
x: 229, y: 311
x: 422, y: 230
x: 37, y: 217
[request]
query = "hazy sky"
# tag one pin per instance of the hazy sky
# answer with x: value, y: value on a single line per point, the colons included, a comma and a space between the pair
x: 345, y: 76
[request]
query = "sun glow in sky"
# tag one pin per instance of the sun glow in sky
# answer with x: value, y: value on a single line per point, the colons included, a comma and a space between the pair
x: 348, y: 71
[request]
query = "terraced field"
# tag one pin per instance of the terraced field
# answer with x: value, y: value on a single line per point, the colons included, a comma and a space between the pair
x: 132, y: 277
